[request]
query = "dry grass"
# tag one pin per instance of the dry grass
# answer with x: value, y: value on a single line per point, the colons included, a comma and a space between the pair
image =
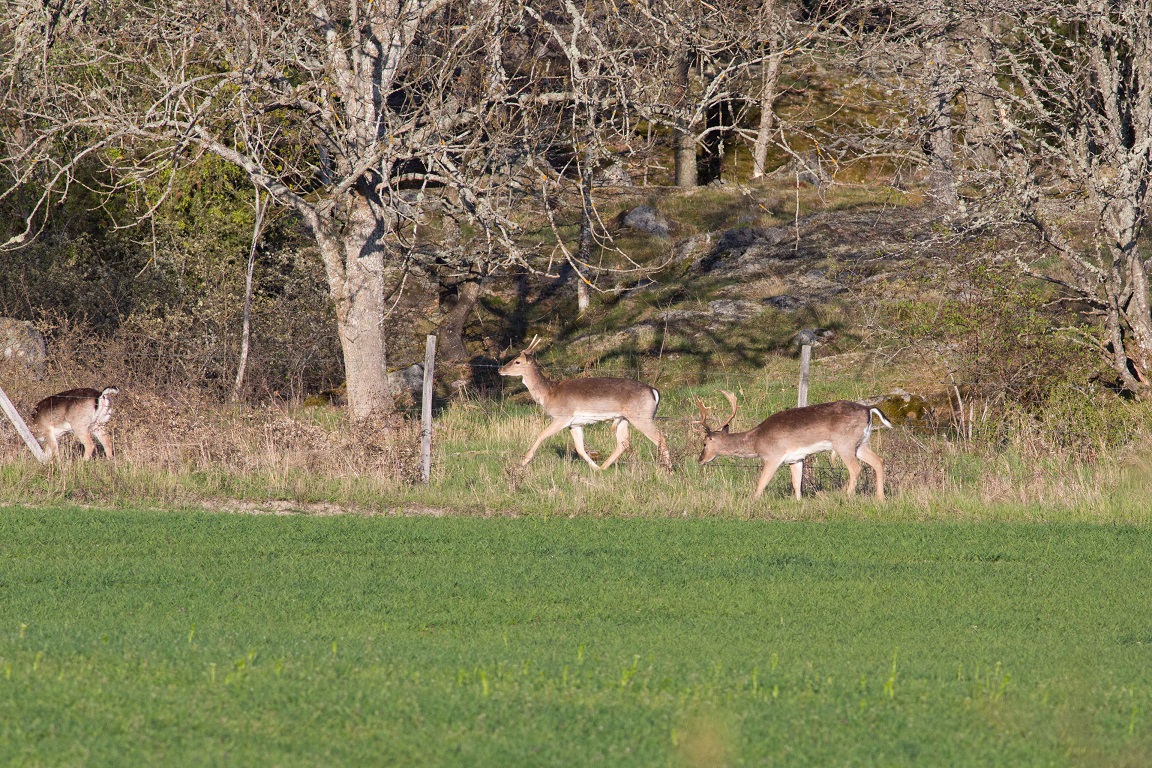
x: 187, y: 448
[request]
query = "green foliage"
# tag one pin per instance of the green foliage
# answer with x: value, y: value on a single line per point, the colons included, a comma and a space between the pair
x: 166, y: 297
x: 136, y: 637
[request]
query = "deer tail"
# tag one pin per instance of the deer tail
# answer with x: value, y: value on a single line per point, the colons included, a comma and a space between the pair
x: 883, y: 420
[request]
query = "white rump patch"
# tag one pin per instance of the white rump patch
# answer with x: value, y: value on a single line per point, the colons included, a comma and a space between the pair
x: 799, y: 454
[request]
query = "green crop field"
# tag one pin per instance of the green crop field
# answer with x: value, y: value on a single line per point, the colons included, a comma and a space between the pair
x: 148, y: 638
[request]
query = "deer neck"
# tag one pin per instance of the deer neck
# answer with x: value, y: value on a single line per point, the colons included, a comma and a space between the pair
x: 539, y: 386
x: 739, y: 444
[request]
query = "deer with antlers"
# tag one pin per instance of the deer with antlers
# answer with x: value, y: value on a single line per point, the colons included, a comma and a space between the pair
x: 791, y: 435
x: 576, y: 403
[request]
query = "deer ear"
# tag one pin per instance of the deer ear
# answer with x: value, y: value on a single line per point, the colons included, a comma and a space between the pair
x: 725, y: 429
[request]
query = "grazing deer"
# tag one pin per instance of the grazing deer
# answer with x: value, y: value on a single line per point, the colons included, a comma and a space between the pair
x: 789, y: 436
x: 575, y: 403
x: 84, y: 412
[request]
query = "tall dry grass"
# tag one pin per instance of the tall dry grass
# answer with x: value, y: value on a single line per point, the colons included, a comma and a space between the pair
x: 188, y: 446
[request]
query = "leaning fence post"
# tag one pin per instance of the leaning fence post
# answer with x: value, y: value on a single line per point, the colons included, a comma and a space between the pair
x: 426, y: 411
x: 21, y: 427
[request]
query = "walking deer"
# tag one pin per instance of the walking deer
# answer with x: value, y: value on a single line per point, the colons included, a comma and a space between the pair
x: 789, y: 436
x: 576, y: 403
x: 84, y: 412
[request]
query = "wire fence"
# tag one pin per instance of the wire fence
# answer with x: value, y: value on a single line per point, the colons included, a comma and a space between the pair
x: 820, y: 473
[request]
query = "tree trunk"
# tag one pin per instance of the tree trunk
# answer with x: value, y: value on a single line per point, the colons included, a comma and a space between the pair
x: 261, y: 206
x: 1140, y: 316
x: 584, y: 250
x: 1138, y: 312
x: 451, y: 341
x: 980, y: 129
x: 684, y: 136
x: 770, y: 78
x: 354, y: 261
x: 941, y: 174
x: 685, y: 158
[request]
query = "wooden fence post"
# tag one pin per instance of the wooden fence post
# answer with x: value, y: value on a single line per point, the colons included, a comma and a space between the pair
x: 426, y: 411
x: 805, y: 363
x: 802, y: 391
x: 21, y: 427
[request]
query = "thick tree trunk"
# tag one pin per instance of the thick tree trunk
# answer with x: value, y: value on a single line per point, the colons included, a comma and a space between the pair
x: 685, y: 158
x: 1138, y: 312
x: 1140, y: 316
x: 451, y: 341
x: 354, y: 262
x: 981, y: 130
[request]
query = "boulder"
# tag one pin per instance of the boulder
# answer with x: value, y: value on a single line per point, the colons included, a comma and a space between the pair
x: 410, y: 379
x: 23, y: 344
x: 645, y: 218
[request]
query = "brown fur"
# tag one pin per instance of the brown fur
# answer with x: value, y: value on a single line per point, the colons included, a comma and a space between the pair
x: 83, y: 412
x: 788, y: 436
x: 574, y: 403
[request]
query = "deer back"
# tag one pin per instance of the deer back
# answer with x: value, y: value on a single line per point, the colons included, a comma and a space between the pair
x: 82, y: 408
x: 600, y: 399
x: 842, y: 423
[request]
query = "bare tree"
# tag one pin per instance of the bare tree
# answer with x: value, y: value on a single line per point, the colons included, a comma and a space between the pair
x: 1074, y: 97
x: 689, y: 62
x: 352, y: 114
x: 781, y: 37
x: 259, y: 209
x: 906, y: 49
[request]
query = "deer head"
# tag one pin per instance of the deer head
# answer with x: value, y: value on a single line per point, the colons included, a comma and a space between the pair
x: 524, y: 362
x: 715, y: 439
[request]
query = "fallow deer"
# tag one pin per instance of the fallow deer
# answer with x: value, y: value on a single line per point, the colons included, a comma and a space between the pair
x: 84, y: 412
x: 789, y: 436
x: 576, y: 403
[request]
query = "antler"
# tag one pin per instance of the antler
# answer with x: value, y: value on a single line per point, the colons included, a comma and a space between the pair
x: 704, y: 414
x: 731, y: 401
x: 532, y: 346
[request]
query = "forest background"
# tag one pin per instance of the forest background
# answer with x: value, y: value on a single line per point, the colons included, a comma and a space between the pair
x: 242, y: 208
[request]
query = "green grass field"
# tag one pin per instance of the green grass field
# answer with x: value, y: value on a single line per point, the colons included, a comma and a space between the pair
x: 145, y: 638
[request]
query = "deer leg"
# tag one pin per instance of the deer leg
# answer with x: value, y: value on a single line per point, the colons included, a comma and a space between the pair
x: 549, y: 430
x: 770, y: 467
x: 621, y: 442
x: 870, y: 458
x: 649, y: 430
x: 853, y: 465
x: 85, y: 437
x: 797, y: 470
x: 105, y: 440
x: 578, y: 439
x: 51, y: 446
